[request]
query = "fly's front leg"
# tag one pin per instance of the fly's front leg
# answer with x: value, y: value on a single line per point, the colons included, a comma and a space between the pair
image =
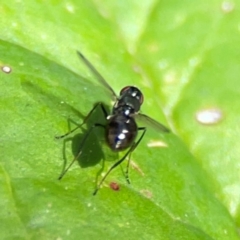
x: 85, y: 119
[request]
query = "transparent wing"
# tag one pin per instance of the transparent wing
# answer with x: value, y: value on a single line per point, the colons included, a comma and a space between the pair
x: 97, y: 74
x: 139, y: 116
x: 153, y: 123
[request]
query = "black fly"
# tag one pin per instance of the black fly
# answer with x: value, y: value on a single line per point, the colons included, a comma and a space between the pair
x: 121, y: 129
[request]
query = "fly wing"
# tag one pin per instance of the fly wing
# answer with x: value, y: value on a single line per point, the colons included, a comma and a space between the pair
x: 97, y: 74
x: 153, y: 123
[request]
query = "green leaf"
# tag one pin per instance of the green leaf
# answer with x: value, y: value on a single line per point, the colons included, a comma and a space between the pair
x: 183, y: 56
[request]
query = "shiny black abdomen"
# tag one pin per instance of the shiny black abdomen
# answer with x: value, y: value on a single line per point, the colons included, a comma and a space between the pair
x: 121, y: 131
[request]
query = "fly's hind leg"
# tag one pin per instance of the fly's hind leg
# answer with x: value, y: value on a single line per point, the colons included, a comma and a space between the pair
x: 131, y: 149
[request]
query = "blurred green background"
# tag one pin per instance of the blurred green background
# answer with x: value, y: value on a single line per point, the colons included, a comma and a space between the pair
x: 183, y: 55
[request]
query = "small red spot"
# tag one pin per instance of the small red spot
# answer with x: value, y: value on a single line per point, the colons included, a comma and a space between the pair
x: 114, y: 186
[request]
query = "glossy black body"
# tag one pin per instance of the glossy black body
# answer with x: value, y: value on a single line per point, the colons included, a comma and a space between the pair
x: 121, y: 132
x: 121, y: 129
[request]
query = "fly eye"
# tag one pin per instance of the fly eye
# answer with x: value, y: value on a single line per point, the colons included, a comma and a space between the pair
x: 141, y: 99
x: 124, y: 89
x: 134, y: 92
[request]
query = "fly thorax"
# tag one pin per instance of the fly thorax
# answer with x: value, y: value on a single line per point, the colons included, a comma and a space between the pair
x: 131, y: 102
x: 126, y: 110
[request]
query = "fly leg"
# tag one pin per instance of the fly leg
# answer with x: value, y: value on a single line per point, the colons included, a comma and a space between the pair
x: 85, y: 119
x: 134, y: 145
x: 85, y: 137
